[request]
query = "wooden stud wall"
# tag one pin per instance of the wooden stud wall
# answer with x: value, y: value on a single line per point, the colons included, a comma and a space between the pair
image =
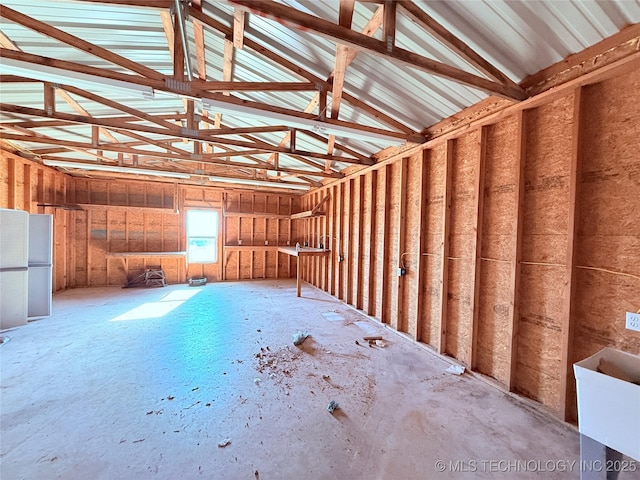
x: 484, y: 224
x: 135, y: 216
x: 254, y: 225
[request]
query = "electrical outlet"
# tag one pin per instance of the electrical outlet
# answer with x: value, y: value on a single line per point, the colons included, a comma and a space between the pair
x: 633, y: 321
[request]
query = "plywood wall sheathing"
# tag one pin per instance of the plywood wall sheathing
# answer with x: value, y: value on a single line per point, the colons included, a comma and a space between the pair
x: 505, y: 297
x: 608, y: 243
x: 462, y: 236
x: 544, y: 245
x: 432, y: 262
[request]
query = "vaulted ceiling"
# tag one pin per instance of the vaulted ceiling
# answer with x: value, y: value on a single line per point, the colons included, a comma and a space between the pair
x: 275, y: 94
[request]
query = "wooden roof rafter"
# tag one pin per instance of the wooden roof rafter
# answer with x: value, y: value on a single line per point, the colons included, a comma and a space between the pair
x: 298, y: 19
x: 77, y: 42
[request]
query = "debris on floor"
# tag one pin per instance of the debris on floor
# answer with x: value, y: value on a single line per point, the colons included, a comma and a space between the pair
x: 371, y: 338
x: 224, y: 443
x: 257, y: 381
x: 380, y: 343
x: 455, y: 369
x: 333, y: 406
x: 299, y: 337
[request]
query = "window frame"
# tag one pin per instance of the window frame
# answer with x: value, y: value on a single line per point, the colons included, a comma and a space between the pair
x: 216, y: 238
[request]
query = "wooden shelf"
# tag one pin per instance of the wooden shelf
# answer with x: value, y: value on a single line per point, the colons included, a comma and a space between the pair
x: 259, y: 248
x: 146, y: 254
x: 129, y: 207
x: 307, y: 214
x: 315, y: 212
x: 254, y: 215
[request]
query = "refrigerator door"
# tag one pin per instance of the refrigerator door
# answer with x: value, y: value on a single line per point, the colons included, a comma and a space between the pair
x: 39, y: 292
x: 40, y: 268
x: 14, y: 238
x: 40, y: 239
x: 13, y: 297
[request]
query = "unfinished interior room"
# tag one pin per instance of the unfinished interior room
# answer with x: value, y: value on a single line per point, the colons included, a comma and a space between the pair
x: 320, y: 239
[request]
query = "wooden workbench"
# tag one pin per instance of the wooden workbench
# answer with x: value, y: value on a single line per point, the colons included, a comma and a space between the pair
x: 303, y: 252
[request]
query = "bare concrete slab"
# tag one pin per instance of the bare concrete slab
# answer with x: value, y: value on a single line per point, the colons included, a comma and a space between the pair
x: 145, y: 383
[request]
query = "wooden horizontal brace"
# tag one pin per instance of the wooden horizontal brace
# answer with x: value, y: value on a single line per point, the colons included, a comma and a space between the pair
x: 258, y: 86
x: 291, y: 16
x: 201, y: 135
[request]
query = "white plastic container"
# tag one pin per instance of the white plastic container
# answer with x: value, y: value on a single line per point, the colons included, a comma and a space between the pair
x: 609, y: 408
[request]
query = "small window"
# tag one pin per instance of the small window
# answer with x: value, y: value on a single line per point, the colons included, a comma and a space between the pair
x: 202, y: 236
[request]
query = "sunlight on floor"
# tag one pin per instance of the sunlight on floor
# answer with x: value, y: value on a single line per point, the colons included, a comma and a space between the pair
x: 157, y: 309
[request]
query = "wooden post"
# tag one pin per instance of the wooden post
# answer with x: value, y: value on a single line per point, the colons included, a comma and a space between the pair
x: 332, y: 242
x: 11, y: 187
x: 567, y: 382
x: 477, y: 247
x: 422, y: 245
x: 373, y: 250
x: 401, y: 323
x: 41, y: 189
x: 444, y: 249
x: 298, y: 275
x: 516, y: 252
x: 385, y: 245
x: 88, y: 246
x: 27, y: 187
x: 340, y: 243
x: 360, y: 257
x: 349, y: 240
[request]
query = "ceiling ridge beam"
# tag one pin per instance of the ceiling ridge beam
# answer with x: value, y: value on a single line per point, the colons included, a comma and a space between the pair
x: 298, y: 19
x: 87, y: 47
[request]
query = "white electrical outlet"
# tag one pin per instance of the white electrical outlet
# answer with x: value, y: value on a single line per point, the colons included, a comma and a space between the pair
x: 633, y: 321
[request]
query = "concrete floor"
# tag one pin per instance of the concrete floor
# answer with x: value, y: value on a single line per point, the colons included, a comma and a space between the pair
x: 144, y: 383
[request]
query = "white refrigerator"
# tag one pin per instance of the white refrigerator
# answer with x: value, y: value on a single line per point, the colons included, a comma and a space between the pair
x: 26, y: 247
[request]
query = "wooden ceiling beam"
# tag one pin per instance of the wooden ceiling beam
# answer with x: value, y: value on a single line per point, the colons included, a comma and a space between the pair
x: 345, y: 17
x: 78, y: 108
x: 213, y: 86
x: 370, y: 29
x: 389, y: 24
x: 41, y: 138
x: 51, y: 31
x: 257, y: 106
x: 137, y: 114
x: 298, y: 19
x: 197, y: 135
x: 238, y: 28
x: 453, y: 42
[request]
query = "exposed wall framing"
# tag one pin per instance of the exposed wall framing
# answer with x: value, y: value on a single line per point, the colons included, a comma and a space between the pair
x: 520, y: 237
x: 95, y: 220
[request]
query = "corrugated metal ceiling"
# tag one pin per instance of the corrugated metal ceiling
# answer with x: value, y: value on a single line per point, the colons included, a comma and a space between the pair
x: 518, y: 37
